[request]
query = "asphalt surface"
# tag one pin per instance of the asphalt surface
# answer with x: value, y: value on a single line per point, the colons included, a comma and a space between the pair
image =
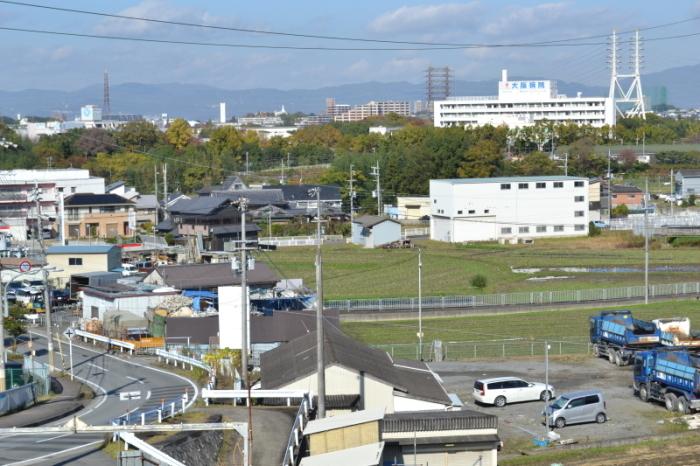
x: 108, y: 375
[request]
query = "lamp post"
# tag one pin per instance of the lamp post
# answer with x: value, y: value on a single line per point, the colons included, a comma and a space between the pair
x: 546, y: 387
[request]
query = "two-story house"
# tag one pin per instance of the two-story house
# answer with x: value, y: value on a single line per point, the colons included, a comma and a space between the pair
x: 98, y: 216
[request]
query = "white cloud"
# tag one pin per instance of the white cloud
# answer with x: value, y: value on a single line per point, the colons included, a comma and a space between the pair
x: 425, y: 18
x: 61, y: 53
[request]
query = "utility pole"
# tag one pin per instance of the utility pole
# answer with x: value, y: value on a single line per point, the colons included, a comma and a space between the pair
x: 546, y: 384
x: 246, y: 163
x: 165, y: 184
x: 375, y: 173
x: 646, y: 241
x: 269, y: 223
x: 155, y: 179
x: 47, y: 288
x: 673, y: 192
x: 609, y: 189
x: 566, y: 164
x: 320, y: 361
x: 2, y: 336
x: 282, y: 177
x: 420, y: 303
x: 352, y: 195
x: 243, y: 206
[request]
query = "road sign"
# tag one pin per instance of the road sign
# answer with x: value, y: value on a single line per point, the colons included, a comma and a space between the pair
x: 25, y: 266
x: 69, y: 332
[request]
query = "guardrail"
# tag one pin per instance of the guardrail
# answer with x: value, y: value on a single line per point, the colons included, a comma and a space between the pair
x: 167, y: 409
x: 178, y: 358
x: 283, y: 241
x: 287, y: 395
x: 103, y: 339
x: 514, y: 299
x: 296, y: 435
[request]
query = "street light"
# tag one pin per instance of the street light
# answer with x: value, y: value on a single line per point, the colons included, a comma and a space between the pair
x: 546, y: 388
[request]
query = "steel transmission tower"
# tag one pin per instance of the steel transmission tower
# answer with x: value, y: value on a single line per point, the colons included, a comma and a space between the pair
x: 438, y: 85
x: 626, y: 88
x: 106, y: 107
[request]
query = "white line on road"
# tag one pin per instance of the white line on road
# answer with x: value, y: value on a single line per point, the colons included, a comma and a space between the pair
x: 53, y: 438
x: 135, y: 379
x: 102, y: 368
x: 39, y: 458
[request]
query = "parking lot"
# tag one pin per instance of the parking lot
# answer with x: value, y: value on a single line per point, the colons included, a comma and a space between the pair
x: 519, y: 423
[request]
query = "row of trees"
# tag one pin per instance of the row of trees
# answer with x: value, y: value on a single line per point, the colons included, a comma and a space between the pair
x: 408, y: 159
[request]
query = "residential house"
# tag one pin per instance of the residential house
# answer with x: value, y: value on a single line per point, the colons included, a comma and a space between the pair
x: 146, y: 207
x: 121, y: 189
x: 594, y: 200
x: 687, y: 182
x: 631, y: 196
x: 69, y: 260
x: 508, y: 209
x: 413, y: 208
x: 354, y: 369
x: 302, y: 196
x: 371, y: 231
x: 98, y: 301
x: 98, y: 216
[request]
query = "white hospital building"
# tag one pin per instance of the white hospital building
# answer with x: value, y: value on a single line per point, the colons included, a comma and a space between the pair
x: 508, y: 209
x: 524, y: 103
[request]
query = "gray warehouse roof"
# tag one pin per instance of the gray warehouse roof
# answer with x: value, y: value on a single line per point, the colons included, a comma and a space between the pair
x: 368, y: 221
x: 195, y: 276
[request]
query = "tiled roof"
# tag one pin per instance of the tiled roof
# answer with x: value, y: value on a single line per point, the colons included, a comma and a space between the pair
x: 85, y: 199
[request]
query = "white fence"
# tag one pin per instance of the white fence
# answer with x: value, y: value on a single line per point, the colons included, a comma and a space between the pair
x: 285, y: 241
x: 178, y: 358
x: 525, y: 298
x: 411, y: 232
x: 103, y: 339
x: 636, y: 224
x: 287, y: 395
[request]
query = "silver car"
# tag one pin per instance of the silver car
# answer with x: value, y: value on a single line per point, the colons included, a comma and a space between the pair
x: 577, y: 407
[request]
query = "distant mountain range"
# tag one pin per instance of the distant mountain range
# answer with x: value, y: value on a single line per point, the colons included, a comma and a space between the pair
x: 195, y: 101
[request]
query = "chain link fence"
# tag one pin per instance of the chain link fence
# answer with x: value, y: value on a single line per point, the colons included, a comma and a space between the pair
x: 515, y: 299
x: 486, y: 349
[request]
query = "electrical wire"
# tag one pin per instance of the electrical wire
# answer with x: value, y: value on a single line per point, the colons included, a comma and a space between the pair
x: 338, y: 38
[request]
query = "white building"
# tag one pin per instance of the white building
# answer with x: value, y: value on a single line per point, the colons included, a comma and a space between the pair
x: 524, y: 103
x: 34, y: 130
x: 509, y: 209
x: 370, y: 109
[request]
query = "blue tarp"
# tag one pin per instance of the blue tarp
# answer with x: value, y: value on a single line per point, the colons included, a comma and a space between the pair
x: 197, y: 297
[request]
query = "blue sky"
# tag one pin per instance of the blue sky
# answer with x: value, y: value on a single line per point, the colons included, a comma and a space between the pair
x: 49, y: 62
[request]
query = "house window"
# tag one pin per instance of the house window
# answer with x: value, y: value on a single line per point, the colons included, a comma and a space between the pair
x: 459, y: 212
x: 558, y: 184
x: 506, y: 231
x: 524, y: 230
x: 75, y: 261
x: 558, y: 227
x: 472, y: 211
x: 579, y: 227
x: 541, y: 185
x: 522, y: 185
x: 578, y: 184
x: 578, y: 213
x: 505, y: 186
x: 434, y: 201
x: 542, y: 229
x: 578, y: 198
x: 486, y: 211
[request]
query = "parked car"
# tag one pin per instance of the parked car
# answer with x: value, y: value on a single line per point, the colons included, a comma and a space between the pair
x: 503, y: 390
x: 577, y: 407
x: 600, y: 224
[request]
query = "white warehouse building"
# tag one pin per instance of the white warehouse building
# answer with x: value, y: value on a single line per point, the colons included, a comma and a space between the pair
x: 524, y: 103
x: 508, y: 209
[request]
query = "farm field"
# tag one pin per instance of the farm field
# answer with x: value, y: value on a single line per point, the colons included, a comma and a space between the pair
x: 566, y: 324
x: 351, y: 272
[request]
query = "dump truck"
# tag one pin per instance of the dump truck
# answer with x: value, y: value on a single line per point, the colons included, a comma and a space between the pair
x: 675, y: 332
x: 668, y: 375
x: 618, y: 336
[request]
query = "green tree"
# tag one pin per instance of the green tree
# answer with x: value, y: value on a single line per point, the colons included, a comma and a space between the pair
x: 15, y: 323
x: 94, y: 140
x: 179, y: 134
x: 138, y: 135
x: 620, y: 211
x: 479, y: 281
x: 483, y: 159
x: 536, y: 164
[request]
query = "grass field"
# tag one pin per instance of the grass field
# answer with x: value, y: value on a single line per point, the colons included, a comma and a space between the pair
x: 353, y: 272
x: 569, y: 324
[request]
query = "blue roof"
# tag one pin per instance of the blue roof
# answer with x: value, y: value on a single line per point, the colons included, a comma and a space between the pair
x: 95, y: 249
x: 510, y: 179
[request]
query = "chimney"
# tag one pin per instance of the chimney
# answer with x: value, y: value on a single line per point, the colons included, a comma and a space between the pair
x: 504, y: 75
x: 222, y: 112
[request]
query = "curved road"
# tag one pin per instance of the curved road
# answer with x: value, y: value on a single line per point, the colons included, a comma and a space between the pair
x: 107, y: 375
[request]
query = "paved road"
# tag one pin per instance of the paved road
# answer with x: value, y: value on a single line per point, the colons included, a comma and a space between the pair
x: 107, y: 375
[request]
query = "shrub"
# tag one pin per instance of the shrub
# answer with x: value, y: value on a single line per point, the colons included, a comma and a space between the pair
x: 479, y: 281
x: 593, y: 230
x: 620, y: 211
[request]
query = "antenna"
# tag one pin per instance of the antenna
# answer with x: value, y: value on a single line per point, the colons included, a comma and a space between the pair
x: 106, y: 107
x: 626, y: 88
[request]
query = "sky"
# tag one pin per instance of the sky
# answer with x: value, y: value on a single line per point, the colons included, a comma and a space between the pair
x: 69, y: 63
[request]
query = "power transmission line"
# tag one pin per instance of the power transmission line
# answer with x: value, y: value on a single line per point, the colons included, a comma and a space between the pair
x: 331, y: 37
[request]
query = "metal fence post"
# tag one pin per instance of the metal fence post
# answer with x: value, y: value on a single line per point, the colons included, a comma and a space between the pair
x: 504, y: 350
x: 560, y: 348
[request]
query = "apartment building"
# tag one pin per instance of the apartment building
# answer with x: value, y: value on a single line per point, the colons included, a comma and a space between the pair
x: 508, y: 209
x: 370, y: 109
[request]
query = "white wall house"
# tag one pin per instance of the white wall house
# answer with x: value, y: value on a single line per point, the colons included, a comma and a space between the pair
x: 488, y: 209
x: 524, y: 103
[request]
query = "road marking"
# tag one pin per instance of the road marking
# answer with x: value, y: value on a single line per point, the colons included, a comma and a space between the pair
x: 53, y: 438
x: 135, y: 379
x: 39, y: 458
x: 102, y: 368
x: 148, y: 395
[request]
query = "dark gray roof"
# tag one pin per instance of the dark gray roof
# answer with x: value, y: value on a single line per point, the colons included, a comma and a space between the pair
x: 284, y: 326
x: 166, y: 225
x: 202, y: 205
x: 236, y: 228
x: 368, y: 221
x: 431, y: 421
x: 619, y: 188
x: 296, y: 192
x: 256, y: 197
x: 297, y: 359
x: 95, y: 199
x: 197, y: 276
x: 231, y: 183
x: 114, y: 185
x: 689, y: 173
x: 200, y: 330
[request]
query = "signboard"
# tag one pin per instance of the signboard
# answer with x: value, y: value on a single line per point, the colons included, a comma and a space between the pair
x: 524, y: 85
x: 25, y: 266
